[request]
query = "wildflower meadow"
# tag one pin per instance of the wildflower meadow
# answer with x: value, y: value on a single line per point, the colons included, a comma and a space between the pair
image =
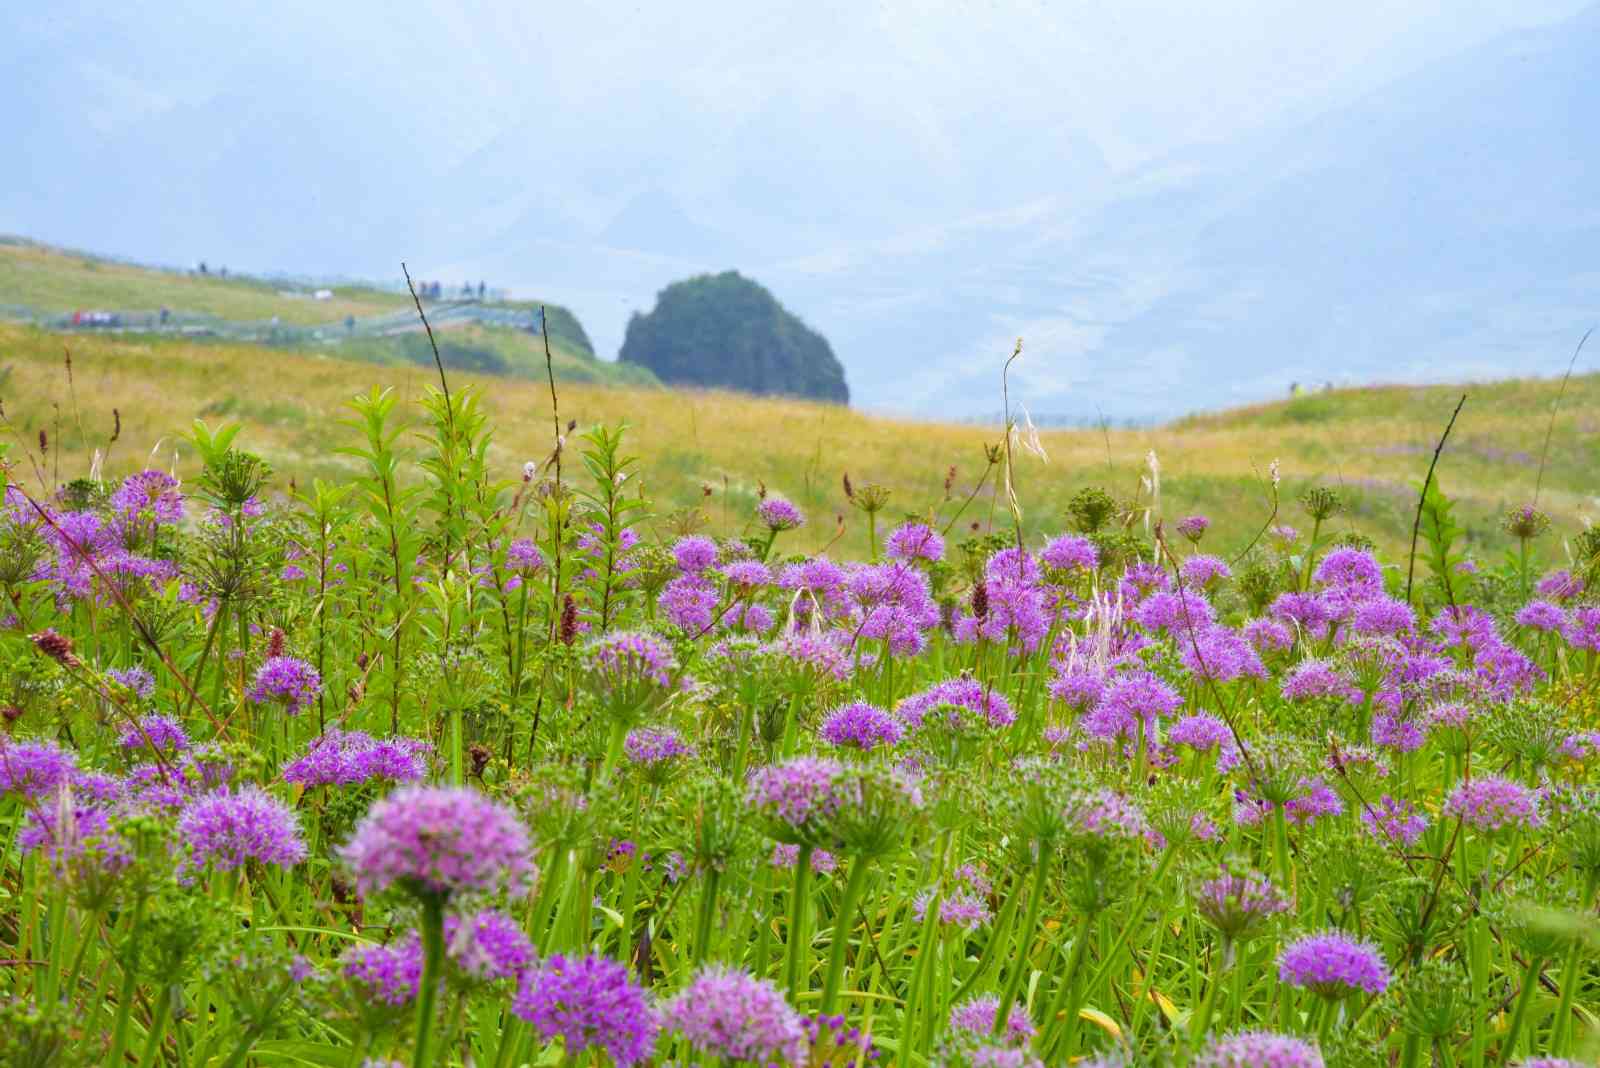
x: 453, y: 765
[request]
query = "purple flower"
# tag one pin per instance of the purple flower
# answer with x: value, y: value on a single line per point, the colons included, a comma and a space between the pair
x: 1403, y: 735
x: 1130, y: 700
x: 69, y: 832
x: 732, y: 1015
x: 1012, y: 565
x: 524, y: 557
x: 1582, y: 629
x: 1078, y: 686
x: 1268, y: 635
x: 1306, y: 611
x: 652, y: 746
x: 1331, y: 964
x: 1194, y: 527
x: 1490, y: 803
x: 623, y: 661
x: 1220, y: 653
x: 786, y: 856
x: 488, y: 945
x: 33, y: 769
x: 694, y: 553
x: 1542, y: 615
x: 137, y: 679
x: 589, y: 1002
x: 288, y: 681
x: 815, y: 653
x: 390, y: 974
x: 1397, y: 821
x: 1238, y: 904
x: 1317, y: 678
x: 151, y: 493
x: 960, y: 907
x: 156, y: 732
x: 861, y: 726
x: 438, y: 840
x: 1202, y: 572
x: 226, y: 829
x: 1560, y: 585
x: 1070, y: 552
x: 1175, y: 613
x: 1317, y: 801
x: 1201, y: 732
x: 778, y: 514
x: 688, y: 602
x: 747, y: 575
x: 799, y: 796
x: 914, y: 541
x: 1382, y: 615
x: 1350, y: 568
x: 1259, y: 1049
x: 976, y: 1016
x: 962, y: 701
x: 345, y: 758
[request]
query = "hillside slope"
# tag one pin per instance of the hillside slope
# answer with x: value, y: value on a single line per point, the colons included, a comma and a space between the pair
x: 1374, y: 444
x: 357, y: 322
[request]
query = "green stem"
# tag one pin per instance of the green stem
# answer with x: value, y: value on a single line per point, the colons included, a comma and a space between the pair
x: 432, y: 966
x: 797, y: 919
x: 1519, y: 1013
x: 1561, y: 1034
x: 130, y: 984
x: 158, y: 1027
x: 1062, y: 1019
x: 1029, y: 926
x: 843, y: 921
x: 708, y: 909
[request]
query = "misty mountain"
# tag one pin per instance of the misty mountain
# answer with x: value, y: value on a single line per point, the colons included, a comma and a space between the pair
x: 922, y: 191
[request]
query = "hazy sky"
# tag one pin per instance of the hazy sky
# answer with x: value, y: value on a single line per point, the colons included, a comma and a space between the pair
x: 591, y: 152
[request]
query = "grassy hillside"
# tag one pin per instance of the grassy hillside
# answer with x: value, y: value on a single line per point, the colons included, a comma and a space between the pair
x: 54, y: 280
x: 1375, y: 444
x: 497, y: 350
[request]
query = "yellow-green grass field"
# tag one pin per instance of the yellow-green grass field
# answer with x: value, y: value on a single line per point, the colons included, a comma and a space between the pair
x: 58, y: 281
x: 1373, y: 443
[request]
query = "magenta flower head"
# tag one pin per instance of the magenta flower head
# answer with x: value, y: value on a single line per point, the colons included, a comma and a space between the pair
x: 389, y: 975
x: 1490, y: 803
x: 861, y: 726
x: 33, y: 769
x: 778, y: 514
x: 729, y: 1014
x: 1202, y: 572
x: 1070, y: 552
x: 799, y: 798
x: 629, y: 668
x: 1542, y: 615
x: 1194, y: 527
x: 694, y: 553
x: 1259, y: 1049
x: 156, y: 732
x: 914, y: 541
x: 588, y: 1003
x: 1349, y: 568
x: 439, y: 841
x: 488, y: 945
x: 524, y: 557
x: 137, y: 679
x: 227, y: 829
x: 288, y: 681
x: 1331, y: 964
x: 976, y: 1016
x: 1238, y: 904
x: 346, y: 758
x: 655, y: 751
